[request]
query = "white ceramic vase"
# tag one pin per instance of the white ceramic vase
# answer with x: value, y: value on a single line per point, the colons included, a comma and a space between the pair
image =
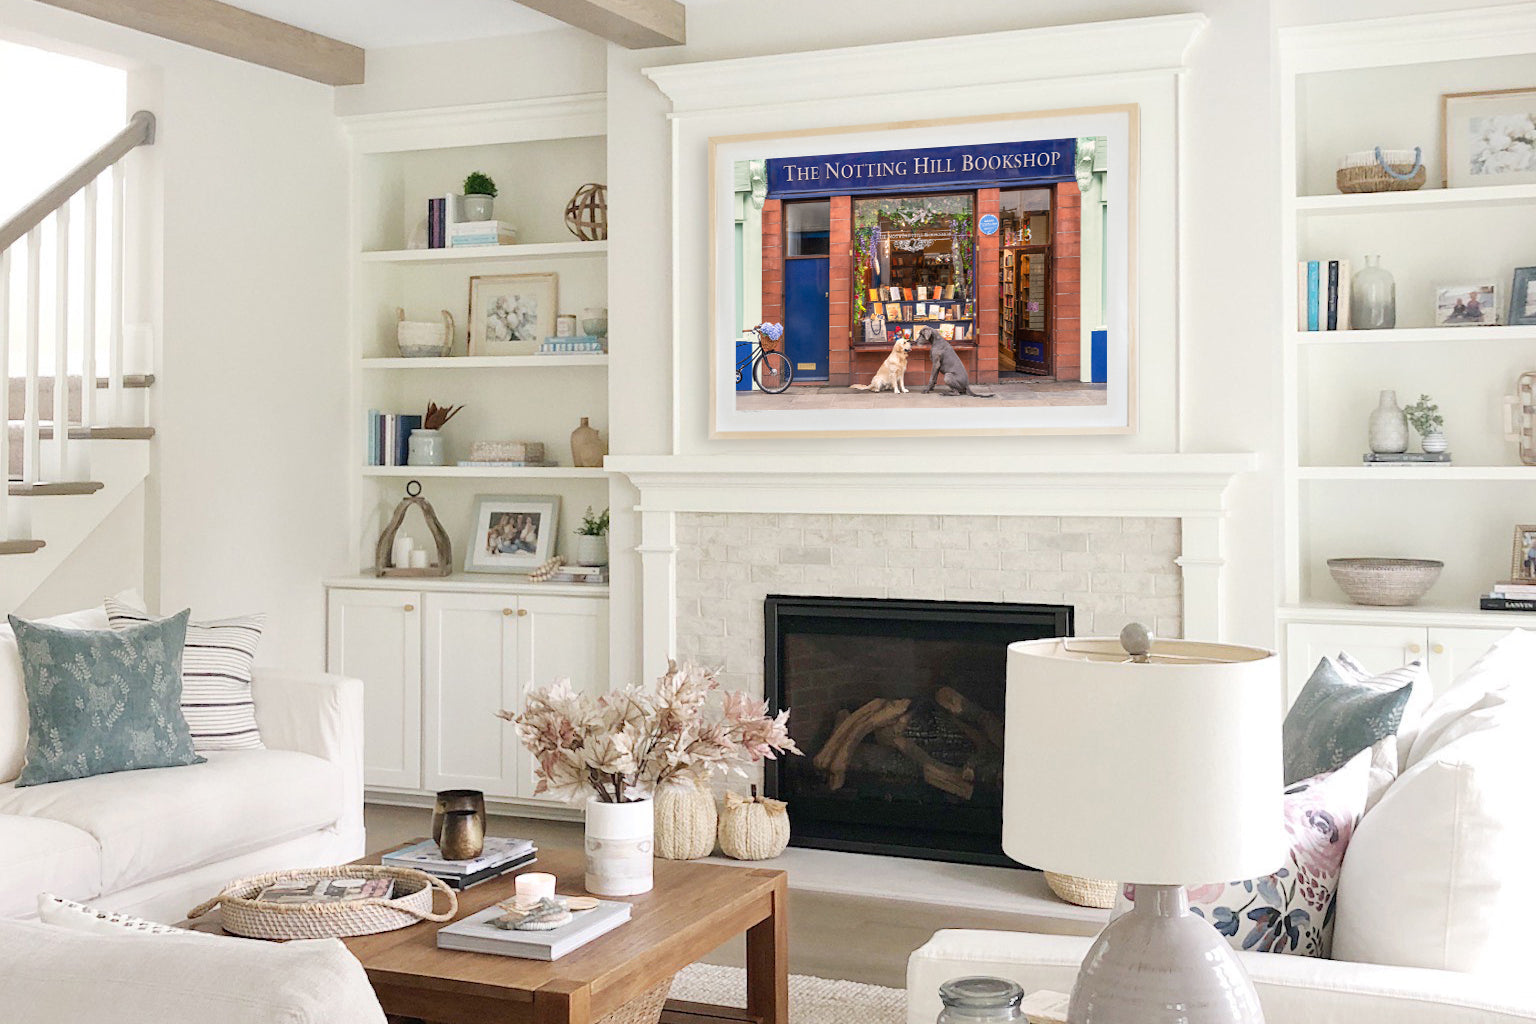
x: 1434, y: 442
x: 620, y: 844
x: 426, y: 448
x: 1388, y: 426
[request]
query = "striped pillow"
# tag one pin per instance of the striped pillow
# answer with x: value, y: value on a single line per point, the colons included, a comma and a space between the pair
x: 215, y: 677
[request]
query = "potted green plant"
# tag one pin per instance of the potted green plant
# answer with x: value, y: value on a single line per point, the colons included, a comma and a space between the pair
x: 479, y: 196
x: 1425, y: 418
x: 592, y: 538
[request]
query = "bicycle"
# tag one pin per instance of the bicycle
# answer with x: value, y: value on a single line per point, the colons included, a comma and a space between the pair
x: 770, y: 368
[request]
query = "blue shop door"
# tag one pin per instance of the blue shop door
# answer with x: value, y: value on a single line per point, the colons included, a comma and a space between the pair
x: 805, y: 316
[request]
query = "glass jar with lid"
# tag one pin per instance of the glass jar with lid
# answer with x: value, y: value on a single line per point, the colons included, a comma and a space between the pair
x: 980, y: 1000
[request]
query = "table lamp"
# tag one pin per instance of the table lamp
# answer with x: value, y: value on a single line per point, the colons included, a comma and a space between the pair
x: 1156, y: 763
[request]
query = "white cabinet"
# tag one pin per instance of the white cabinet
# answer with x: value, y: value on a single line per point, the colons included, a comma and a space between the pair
x: 432, y: 696
x: 375, y: 636
x: 1447, y: 651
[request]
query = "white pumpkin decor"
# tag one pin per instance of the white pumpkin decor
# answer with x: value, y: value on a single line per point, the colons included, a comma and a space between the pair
x: 685, y: 822
x: 754, y: 828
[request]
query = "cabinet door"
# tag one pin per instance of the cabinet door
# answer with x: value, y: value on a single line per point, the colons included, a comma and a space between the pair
x: 1453, y: 650
x: 561, y: 637
x: 470, y: 672
x: 1378, y: 648
x: 375, y: 636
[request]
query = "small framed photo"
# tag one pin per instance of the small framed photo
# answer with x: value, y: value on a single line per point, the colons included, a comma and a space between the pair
x: 1523, y: 565
x: 1489, y: 137
x: 512, y: 533
x: 1466, y: 305
x: 511, y: 314
x: 565, y: 325
x: 1522, y: 297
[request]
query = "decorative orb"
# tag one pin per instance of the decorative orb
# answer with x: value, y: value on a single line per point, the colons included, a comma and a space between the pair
x: 586, y: 215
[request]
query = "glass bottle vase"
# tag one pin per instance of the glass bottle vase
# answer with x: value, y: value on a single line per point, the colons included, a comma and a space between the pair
x: 1373, y: 298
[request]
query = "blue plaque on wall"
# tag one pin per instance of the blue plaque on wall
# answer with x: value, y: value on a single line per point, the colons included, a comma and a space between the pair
x: 987, y: 224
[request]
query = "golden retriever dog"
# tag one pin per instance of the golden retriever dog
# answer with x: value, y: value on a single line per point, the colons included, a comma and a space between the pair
x: 892, y: 373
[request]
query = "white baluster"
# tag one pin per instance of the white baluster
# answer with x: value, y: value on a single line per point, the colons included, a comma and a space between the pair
x: 115, y: 351
x: 61, y: 344
x: 88, y: 326
x: 30, y: 450
x: 5, y: 391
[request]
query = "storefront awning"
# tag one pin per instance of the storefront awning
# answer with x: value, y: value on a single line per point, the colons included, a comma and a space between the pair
x: 993, y: 165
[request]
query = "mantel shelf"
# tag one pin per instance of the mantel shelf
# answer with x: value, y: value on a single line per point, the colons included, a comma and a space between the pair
x: 1409, y: 335
x: 1422, y: 199
x: 489, y: 253
x: 597, y: 359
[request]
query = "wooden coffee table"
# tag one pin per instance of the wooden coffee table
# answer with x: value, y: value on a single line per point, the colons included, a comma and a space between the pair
x: 693, y: 909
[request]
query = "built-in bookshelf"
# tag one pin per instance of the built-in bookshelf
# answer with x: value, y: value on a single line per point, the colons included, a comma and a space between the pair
x: 1349, y: 87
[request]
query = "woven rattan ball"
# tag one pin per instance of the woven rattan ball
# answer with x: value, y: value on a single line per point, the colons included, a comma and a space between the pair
x: 587, y: 213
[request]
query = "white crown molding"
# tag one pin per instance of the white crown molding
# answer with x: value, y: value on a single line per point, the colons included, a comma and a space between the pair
x: 1130, y: 46
x: 552, y: 117
x: 1161, y: 485
x: 1500, y: 31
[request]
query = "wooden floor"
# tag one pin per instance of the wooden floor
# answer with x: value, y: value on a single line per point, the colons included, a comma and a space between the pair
x: 853, y: 939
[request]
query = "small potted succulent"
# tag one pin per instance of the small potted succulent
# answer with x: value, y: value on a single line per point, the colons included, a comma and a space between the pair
x: 1425, y: 418
x: 592, y: 538
x: 479, y: 196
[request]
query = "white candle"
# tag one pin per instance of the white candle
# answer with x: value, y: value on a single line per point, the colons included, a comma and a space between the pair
x: 419, y: 558
x: 533, y: 886
x: 402, y: 551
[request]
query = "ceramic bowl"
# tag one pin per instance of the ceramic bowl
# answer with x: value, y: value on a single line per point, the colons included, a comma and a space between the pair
x: 1385, y: 581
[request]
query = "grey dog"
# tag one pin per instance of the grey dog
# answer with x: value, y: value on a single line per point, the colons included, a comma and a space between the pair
x: 942, y: 356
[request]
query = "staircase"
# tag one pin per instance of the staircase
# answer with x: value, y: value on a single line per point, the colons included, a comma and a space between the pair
x: 73, y: 452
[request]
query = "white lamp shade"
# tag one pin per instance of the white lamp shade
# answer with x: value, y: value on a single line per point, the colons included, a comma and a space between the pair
x: 1165, y: 773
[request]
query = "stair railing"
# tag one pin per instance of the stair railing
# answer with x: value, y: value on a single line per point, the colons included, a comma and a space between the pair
x: 28, y: 226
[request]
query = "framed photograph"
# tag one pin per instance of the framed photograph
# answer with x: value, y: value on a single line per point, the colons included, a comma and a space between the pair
x: 511, y: 314
x: 1489, y: 137
x: 1522, y: 297
x: 926, y: 209
x: 1466, y: 305
x: 1523, y: 565
x: 512, y: 533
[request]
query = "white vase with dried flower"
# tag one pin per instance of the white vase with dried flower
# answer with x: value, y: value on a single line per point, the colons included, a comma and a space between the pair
x: 618, y: 749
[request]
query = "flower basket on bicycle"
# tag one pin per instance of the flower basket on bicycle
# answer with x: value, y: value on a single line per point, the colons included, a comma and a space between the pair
x: 770, y: 368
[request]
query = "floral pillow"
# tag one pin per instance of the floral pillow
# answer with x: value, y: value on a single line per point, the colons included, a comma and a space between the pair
x: 1291, y: 911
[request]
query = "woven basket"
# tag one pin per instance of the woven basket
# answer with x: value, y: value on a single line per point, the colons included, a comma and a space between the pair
x: 1084, y: 892
x: 245, y: 915
x: 643, y: 1009
x: 1391, y: 582
x: 1381, y: 170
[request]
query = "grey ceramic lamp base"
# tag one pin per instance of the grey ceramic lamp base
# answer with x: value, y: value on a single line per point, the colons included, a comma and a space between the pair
x: 1160, y: 964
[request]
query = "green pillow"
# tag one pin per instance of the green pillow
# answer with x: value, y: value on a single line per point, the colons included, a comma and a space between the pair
x: 102, y: 700
x: 1335, y: 717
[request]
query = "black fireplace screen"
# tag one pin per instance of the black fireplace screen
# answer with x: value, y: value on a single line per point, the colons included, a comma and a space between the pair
x: 898, y: 707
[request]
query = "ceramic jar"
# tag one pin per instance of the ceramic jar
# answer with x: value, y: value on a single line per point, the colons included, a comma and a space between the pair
x: 1372, y: 298
x: 426, y: 448
x: 1434, y: 442
x: 753, y: 828
x: 686, y: 821
x: 478, y: 207
x: 1388, y: 426
x: 587, y: 446
x: 591, y: 549
x: 620, y: 842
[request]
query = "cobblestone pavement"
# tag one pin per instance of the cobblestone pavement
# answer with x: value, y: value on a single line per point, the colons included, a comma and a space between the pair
x: 1010, y: 392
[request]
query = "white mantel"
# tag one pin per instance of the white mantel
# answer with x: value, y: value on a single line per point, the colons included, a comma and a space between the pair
x: 1190, y: 487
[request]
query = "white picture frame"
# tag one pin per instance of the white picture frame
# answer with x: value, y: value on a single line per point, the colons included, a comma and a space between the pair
x: 525, y: 529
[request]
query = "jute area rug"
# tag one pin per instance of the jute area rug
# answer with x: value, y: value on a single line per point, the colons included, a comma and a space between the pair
x: 811, y: 1000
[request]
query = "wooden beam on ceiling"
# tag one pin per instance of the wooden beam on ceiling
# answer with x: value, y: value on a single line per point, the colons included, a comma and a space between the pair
x: 220, y: 28
x: 633, y: 24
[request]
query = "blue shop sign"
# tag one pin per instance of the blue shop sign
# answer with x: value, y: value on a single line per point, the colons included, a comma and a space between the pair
x: 993, y: 165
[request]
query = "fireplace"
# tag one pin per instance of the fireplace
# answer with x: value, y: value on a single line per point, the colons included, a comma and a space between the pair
x: 898, y: 707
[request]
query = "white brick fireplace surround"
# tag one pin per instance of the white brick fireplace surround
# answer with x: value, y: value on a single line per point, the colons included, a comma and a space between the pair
x: 1117, y: 536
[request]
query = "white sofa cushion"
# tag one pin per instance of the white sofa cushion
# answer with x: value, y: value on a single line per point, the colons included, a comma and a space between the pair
x: 1477, y: 700
x: 39, y: 855
x: 163, y: 821
x: 56, y: 975
x: 13, y: 691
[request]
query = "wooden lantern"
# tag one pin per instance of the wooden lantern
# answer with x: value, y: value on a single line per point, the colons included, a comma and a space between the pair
x: 383, y: 553
x: 587, y: 213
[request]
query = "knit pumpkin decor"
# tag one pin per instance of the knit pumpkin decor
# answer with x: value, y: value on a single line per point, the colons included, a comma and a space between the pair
x: 753, y: 828
x: 685, y: 822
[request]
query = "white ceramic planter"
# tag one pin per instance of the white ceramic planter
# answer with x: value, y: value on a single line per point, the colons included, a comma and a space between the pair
x: 477, y: 207
x: 1434, y: 442
x: 620, y: 845
x: 591, y: 549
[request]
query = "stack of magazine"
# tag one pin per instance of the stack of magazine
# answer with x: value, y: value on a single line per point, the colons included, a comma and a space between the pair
x: 1510, y: 596
x: 499, y: 856
x: 477, y: 934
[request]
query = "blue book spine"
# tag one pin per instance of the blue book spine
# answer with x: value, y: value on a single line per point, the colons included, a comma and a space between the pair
x: 373, y: 437
x: 403, y: 449
x: 1314, y: 280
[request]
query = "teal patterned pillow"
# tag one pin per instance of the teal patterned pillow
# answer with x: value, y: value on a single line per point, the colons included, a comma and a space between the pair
x: 102, y: 700
x: 1337, y: 716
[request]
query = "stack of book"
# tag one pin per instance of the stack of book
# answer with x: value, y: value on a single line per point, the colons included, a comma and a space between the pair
x: 499, y: 856
x: 388, y: 437
x: 1322, y: 295
x: 476, y: 933
x: 563, y: 346
x: 447, y: 226
x: 1510, y: 596
x: 578, y: 574
x: 1405, y: 458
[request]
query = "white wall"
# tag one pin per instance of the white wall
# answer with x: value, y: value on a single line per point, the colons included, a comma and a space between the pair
x: 247, y: 503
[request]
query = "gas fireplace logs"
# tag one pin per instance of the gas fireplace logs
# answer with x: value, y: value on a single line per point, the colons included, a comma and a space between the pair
x: 833, y: 756
x: 945, y: 740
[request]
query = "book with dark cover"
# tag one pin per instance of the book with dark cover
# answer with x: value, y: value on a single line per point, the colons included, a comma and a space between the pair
x: 1402, y: 458
x: 1495, y: 603
x: 437, y: 227
x: 1333, y: 295
x: 403, y: 437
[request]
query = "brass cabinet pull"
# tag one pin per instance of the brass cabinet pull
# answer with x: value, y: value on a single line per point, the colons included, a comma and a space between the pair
x: 506, y: 611
x: 410, y: 607
x: 1414, y: 648
x: 1437, y: 649
x: 522, y: 611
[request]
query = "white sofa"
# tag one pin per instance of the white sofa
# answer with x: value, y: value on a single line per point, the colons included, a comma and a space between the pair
x: 159, y: 841
x: 1431, y: 925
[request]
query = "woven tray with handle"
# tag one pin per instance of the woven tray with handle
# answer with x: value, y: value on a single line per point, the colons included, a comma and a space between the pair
x: 243, y: 914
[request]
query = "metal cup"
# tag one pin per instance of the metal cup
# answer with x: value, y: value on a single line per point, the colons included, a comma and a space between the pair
x: 462, y: 836
x: 456, y: 800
